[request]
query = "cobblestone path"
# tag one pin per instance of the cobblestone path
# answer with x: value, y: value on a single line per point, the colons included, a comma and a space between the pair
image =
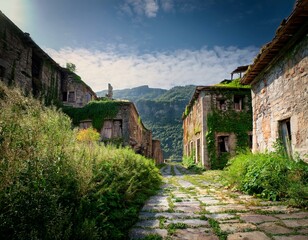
x: 191, y: 206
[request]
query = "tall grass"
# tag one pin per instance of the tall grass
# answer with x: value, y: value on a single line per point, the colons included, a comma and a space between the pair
x: 272, y: 176
x: 54, y: 187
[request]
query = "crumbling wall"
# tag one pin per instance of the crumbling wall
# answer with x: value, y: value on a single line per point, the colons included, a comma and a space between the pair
x: 281, y: 95
x: 157, y: 153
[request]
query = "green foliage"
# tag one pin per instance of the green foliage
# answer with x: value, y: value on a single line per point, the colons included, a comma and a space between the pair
x: 230, y: 121
x: 71, y: 67
x: 97, y: 111
x: 54, y: 187
x: 233, y: 84
x: 215, y: 225
x: 188, y: 161
x: 270, y: 175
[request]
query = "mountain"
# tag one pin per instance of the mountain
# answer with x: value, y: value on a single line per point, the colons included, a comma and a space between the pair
x: 161, y: 111
x: 133, y: 94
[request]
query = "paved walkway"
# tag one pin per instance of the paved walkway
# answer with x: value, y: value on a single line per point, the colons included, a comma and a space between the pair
x: 192, y: 207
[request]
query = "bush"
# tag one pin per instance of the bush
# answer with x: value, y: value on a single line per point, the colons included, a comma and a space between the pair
x: 55, y: 187
x: 270, y: 175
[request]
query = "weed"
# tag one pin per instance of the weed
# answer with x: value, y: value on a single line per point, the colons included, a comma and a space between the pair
x: 215, y: 225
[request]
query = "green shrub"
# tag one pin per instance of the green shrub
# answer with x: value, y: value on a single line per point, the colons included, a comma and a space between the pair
x: 270, y: 175
x: 55, y: 187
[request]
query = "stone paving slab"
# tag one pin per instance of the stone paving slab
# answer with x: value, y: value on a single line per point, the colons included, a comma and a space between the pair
x: 226, y: 208
x: 173, y: 215
x: 274, y: 228
x: 296, y: 237
x: 194, y: 234
x: 248, y: 236
x: 296, y: 223
x: 148, y: 224
x: 237, y: 227
x: 257, y: 218
x: 189, y: 222
x: 209, y: 200
x: 293, y: 215
x: 137, y: 233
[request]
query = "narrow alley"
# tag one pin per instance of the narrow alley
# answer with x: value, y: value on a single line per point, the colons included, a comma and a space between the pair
x: 196, y: 206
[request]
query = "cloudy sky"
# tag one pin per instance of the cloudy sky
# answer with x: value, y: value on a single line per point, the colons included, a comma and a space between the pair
x: 160, y: 43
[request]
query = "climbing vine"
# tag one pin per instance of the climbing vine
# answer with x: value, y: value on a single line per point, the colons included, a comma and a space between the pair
x: 231, y: 121
x: 96, y: 111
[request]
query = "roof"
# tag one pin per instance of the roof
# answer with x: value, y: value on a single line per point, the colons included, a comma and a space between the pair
x: 240, y: 69
x: 291, y: 29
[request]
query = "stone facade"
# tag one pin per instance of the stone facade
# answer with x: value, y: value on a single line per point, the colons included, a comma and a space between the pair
x: 280, y: 89
x: 25, y: 65
x: 75, y: 92
x: 196, y: 128
x: 127, y: 128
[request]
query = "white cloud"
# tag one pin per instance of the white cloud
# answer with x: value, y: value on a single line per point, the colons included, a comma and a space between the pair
x: 159, y: 69
x: 148, y: 8
x: 167, y: 5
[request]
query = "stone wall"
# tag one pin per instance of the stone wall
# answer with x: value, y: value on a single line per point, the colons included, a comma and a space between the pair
x: 24, y: 64
x: 75, y: 93
x: 282, y: 94
x: 196, y: 127
x: 157, y: 153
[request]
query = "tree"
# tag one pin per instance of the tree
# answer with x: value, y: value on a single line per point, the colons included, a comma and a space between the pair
x: 71, y: 67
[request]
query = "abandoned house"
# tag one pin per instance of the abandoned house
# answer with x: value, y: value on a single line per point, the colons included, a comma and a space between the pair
x: 216, y: 122
x: 118, y: 122
x: 279, y: 84
x: 25, y: 65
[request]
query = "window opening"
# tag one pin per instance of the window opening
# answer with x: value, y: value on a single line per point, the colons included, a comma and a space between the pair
x: 285, y: 135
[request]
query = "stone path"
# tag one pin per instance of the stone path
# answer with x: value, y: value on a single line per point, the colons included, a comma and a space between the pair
x: 193, y: 207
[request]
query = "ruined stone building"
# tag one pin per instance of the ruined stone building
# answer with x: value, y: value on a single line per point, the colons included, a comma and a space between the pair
x: 216, y: 122
x: 25, y: 65
x: 279, y: 83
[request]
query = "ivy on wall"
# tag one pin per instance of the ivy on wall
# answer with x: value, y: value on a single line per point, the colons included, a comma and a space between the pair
x: 96, y: 111
x: 230, y: 121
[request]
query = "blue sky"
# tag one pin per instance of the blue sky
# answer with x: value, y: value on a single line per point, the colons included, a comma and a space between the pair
x: 161, y: 43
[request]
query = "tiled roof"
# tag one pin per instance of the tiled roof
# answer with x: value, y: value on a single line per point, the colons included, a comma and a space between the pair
x: 291, y: 29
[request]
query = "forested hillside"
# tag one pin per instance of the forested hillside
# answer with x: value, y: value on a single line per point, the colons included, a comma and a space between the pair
x: 161, y: 111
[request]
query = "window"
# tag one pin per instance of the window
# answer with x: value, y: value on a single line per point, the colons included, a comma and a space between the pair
x: 71, y: 96
x: 285, y: 135
x: 2, y: 72
x: 88, y: 97
x: 221, y: 104
x: 198, y: 150
x: 238, y: 103
x: 64, y: 96
x: 250, y: 141
x: 223, y: 144
x: 112, y: 129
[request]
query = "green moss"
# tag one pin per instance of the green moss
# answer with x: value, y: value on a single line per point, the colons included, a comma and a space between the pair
x: 233, y: 84
x: 96, y: 111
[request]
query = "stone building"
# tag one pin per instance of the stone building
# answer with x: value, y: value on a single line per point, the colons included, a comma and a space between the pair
x: 279, y: 83
x: 216, y: 121
x: 127, y: 129
x: 25, y: 65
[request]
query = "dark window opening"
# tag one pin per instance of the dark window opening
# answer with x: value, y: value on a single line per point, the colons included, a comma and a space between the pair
x: 223, y: 144
x: 250, y: 141
x: 238, y: 102
x: 71, y: 97
x: 2, y: 72
x: 221, y: 104
x: 64, y: 96
x: 285, y: 135
x: 36, y: 75
x: 198, y: 151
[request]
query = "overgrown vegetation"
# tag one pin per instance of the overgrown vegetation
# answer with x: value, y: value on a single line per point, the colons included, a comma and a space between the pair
x: 97, y: 111
x: 55, y: 187
x: 272, y: 176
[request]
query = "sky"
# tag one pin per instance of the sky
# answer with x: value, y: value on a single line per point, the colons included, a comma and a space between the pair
x: 160, y: 43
